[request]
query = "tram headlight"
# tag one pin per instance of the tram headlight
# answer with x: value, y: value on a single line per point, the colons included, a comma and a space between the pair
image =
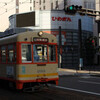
x: 40, y: 33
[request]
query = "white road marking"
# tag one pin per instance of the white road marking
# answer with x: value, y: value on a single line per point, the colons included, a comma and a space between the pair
x: 93, y: 93
x: 89, y: 82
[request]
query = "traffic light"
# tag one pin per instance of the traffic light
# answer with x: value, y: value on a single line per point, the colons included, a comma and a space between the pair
x: 90, y: 49
x: 93, y: 41
x: 72, y: 9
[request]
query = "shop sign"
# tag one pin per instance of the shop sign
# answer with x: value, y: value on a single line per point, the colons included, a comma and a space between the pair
x: 61, y: 19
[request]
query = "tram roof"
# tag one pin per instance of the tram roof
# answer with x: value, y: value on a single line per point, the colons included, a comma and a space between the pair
x: 29, y: 35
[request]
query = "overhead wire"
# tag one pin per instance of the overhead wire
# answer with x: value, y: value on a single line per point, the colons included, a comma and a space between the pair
x: 12, y: 7
x: 6, y: 3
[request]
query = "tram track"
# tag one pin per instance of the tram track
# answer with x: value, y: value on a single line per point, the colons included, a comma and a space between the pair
x: 50, y: 93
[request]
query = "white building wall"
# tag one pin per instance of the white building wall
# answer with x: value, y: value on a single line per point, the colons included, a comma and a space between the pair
x: 75, y: 2
x: 97, y: 8
x: 61, y: 4
x: 90, y: 4
x: 46, y: 20
x: 47, y: 5
x: 30, y: 5
x: 8, y: 7
x: 25, y: 6
x: 41, y: 4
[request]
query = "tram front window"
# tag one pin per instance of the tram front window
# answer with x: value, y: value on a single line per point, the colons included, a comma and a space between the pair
x: 52, y: 53
x: 40, y: 53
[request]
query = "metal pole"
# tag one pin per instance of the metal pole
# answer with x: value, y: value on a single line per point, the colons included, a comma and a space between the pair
x: 80, y: 44
x: 98, y: 22
x: 59, y: 48
x: 65, y: 3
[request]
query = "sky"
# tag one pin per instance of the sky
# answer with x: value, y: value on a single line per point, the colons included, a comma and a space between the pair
x: 7, y: 7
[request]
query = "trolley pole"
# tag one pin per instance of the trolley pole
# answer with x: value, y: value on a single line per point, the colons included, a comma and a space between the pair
x: 80, y: 44
x: 59, y: 48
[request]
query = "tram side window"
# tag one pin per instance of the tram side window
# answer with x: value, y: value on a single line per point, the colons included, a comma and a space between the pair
x: 3, y: 54
x: 26, y: 52
x: 52, y: 53
x: 15, y: 53
x: 11, y: 57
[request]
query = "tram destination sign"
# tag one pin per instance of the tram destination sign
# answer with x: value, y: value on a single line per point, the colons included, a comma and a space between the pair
x: 40, y: 39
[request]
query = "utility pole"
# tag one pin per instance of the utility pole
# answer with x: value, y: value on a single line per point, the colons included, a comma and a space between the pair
x: 80, y: 44
x: 17, y: 6
x: 59, y: 48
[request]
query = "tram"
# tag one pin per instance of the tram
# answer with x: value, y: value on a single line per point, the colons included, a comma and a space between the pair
x: 28, y: 59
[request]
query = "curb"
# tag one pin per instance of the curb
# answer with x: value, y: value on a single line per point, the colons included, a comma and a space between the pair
x: 62, y: 71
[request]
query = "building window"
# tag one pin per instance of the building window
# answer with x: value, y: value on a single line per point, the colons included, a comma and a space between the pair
x: 26, y: 52
x: 30, y: 1
x: 34, y: 4
x: 89, y: 5
x: 30, y: 8
x: 51, y: 6
x: 43, y: 1
x: 40, y: 2
x: 56, y: 4
x: 3, y: 54
x: 85, y: 6
x: 44, y: 7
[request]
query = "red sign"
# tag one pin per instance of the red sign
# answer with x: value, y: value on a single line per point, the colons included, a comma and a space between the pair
x: 55, y: 33
x: 61, y: 19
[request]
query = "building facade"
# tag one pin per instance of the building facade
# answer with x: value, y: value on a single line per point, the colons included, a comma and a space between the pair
x: 98, y: 21
x: 9, y: 7
x: 49, y: 16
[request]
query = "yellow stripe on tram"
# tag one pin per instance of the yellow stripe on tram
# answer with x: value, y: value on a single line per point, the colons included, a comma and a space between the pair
x: 38, y: 75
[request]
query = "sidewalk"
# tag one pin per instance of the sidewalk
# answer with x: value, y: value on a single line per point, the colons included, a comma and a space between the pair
x: 62, y: 71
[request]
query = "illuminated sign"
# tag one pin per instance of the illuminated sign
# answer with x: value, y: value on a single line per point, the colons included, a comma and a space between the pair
x: 40, y: 39
x: 61, y: 19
